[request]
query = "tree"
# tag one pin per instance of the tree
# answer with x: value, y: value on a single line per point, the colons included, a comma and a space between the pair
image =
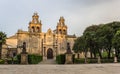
x: 79, y: 45
x: 116, y: 43
x: 97, y: 37
x: 105, y: 34
x: 2, y: 41
x: 90, y: 37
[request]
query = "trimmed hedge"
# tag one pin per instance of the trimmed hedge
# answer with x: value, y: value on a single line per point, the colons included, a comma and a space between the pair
x: 79, y: 61
x: 107, y: 60
x: 89, y: 60
x: 82, y: 61
x: 2, y: 61
x: 60, y: 59
x: 73, y: 58
x: 12, y: 61
x: 19, y: 58
x: 32, y: 58
x: 118, y: 59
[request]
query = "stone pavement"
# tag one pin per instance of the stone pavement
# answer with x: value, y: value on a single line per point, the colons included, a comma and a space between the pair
x: 61, y: 69
x: 48, y: 61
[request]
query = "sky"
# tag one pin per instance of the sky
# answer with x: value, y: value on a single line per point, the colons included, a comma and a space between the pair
x: 78, y: 14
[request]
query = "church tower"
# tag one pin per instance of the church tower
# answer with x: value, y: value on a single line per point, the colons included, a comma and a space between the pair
x: 61, y: 27
x: 35, y: 25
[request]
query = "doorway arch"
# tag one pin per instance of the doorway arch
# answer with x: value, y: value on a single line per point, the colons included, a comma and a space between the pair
x: 49, y: 53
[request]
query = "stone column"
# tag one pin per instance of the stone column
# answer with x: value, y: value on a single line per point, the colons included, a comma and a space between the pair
x: 68, y: 59
x: 24, y: 55
x: 6, y: 61
x: 68, y: 55
x: 115, y: 59
x: 99, y: 60
x: 85, y: 60
x: 24, y: 58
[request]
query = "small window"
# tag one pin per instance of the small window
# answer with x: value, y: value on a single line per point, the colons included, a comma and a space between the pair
x: 33, y: 29
x: 38, y: 29
x: 60, y: 31
x: 64, y: 31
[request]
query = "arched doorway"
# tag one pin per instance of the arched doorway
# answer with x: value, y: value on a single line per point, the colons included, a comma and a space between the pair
x: 49, y: 53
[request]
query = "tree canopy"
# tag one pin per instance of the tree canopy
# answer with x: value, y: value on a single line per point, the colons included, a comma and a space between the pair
x: 98, y: 37
x: 2, y: 41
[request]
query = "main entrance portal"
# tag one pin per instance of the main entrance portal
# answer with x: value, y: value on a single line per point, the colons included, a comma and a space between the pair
x: 49, y: 53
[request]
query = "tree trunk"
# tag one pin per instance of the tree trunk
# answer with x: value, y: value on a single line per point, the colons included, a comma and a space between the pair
x: 91, y: 53
x: 0, y: 50
x: 94, y: 53
x: 116, y: 52
x: 78, y: 56
x: 109, y: 53
x: 85, y: 56
x: 99, y: 53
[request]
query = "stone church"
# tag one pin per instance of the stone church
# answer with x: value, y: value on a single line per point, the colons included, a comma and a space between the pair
x: 48, y: 44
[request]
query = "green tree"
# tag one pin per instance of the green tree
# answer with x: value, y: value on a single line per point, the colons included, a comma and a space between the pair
x: 2, y: 41
x: 116, y: 43
x: 79, y: 45
x: 90, y: 38
x: 98, y: 37
x: 105, y: 35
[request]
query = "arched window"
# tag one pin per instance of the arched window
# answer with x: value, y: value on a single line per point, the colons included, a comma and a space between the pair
x: 60, y: 31
x: 64, y: 31
x: 38, y: 29
x: 33, y: 29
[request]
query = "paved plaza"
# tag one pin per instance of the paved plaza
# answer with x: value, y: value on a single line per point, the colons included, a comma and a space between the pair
x: 61, y: 69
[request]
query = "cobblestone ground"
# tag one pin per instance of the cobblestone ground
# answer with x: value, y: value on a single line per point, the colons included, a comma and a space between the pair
x: 61, y: 69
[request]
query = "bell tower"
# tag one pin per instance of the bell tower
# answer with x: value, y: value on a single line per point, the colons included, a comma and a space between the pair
x: 35, y: 25
x: 61, y: 27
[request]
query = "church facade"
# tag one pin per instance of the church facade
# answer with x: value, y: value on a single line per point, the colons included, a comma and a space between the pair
x: 47, y: 44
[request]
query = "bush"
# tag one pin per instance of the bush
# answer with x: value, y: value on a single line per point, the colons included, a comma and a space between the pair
x: 34, y: 59
x: 73, y: 57
x: 82, y: 60
x: 9, y: 61
x: 13, y: 61
x: 60, y: 59
x: 90, y: 60
x: 19, y: 58
x: 118, y: 60
x: 104, y: 54
x: 2, y: 61
x: 107, y: 60
x: 79, y: 61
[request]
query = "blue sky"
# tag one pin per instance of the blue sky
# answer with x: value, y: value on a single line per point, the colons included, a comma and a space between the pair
x: 78, y: 14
